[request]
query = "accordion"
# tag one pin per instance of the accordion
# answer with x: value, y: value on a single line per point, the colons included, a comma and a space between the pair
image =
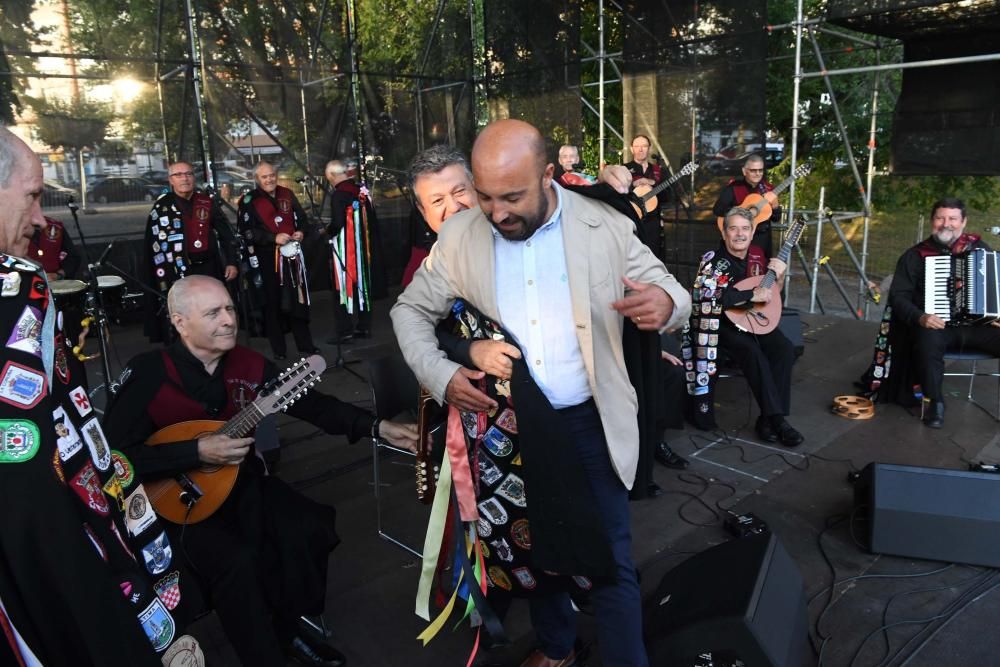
x: 963, y: 289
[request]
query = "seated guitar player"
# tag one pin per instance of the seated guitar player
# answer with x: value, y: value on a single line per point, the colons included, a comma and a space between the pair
x: 765, y: 359
x: 263, y: 555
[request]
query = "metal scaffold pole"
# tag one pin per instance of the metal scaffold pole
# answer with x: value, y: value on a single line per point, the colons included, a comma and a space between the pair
x: 600, y: 79
x: 197, y: 82
x: 797, y: 83
x: 478, y: 28
x: 359, y: 128
x: 862, y: 287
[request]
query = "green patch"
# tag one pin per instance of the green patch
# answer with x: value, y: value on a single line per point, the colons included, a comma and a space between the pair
x: 19, y: 440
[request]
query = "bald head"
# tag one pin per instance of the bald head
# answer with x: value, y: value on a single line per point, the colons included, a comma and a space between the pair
x: 512, y: 178
x: 509, y: 140
x: 182, y: 296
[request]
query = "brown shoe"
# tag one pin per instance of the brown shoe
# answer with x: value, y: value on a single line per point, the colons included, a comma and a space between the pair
x: 538, y: 659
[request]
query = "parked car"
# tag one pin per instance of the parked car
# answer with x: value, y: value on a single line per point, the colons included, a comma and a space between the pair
x: 236, y: 182
x: 157, y: 176
x: 124, y: 188
x: 56, y: 194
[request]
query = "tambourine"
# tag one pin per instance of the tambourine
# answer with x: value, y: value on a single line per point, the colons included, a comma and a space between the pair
x: 291, y: 249
x: 853, y: 407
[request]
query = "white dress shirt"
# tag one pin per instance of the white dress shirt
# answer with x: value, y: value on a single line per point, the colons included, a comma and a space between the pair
x: 534, y: 302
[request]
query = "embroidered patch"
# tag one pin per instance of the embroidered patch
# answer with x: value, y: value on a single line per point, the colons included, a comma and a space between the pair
x: 185, y: 652
x: 489, y: 473
x: 87, y: 485
x: 100, y: 452
x: 123, y: 468
x: 497, y: 443
x: 27, y: 333
x: 507, y: 421
x: 21, y: 386
x: 80, y: 401
x: 158, y: 554
x: 503, y: 387
x: 131, y: 589
x: 19, y: 440
x: 114, y: 489
x: 525, y: 578
x: 59, y: 357
x: 158, y: 624
x: 520, y: 534
x: 493, y: 511
x: 512, y: 489
x: 67, y: 439
x: 516, y: 461
x: 57, y: 467
x: 499, y: 577
x: 11, y: 284
x: 168, y: 589
x: 471, y: 423
x: 503, y: 550
x: 139, y: 514
x: 484, y: 528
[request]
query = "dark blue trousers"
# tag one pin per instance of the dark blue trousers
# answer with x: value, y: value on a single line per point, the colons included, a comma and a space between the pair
x: 617, y: 605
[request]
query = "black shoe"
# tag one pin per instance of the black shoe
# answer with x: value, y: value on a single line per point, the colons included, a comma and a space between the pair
x: 934, y: 415
x: 653, y: 490
x: 340, y: 339
x: 315, y: 653
x: 362, y: 333
x: 765, y: 431
x: 666, y: 456
x: 788, y: 436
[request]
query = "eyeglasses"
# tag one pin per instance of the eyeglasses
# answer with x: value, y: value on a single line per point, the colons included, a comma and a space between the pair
x: 182, y: 173
x: 755, y: 171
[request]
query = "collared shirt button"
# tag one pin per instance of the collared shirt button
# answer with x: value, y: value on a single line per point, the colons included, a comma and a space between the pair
x: 531, y: 282
x: 534, y: 321
x: 528, y: 244
x: 538, y: 362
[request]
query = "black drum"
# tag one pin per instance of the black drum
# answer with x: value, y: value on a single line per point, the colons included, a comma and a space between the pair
x: 71, y: 300
x: 112, y: 296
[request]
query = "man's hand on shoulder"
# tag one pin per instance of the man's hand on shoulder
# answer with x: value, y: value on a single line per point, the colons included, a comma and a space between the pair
x: 220, y: 449
x: 404, y: 436
x: 645, y: 304
x: 617, y: 176
x: 494, y: 357
x: 463, y: 395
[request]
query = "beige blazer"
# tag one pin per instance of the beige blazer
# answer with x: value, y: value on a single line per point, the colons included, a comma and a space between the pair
x: 600, y: 248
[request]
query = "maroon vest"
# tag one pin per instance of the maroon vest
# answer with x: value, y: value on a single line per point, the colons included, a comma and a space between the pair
x: 197, y: 224
x: 756, y: 262
x: 48, y: 250
x: 741, y: 189
x: 243, y: 373
x: 962, y: 245
x: 278, y: 215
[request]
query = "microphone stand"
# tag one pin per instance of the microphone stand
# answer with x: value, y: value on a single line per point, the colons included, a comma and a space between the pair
x: 340, y: 362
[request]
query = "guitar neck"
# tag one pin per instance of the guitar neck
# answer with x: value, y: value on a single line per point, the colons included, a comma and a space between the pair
x: 244, y: 422
x: 662, y: 186
x: 784, y: 255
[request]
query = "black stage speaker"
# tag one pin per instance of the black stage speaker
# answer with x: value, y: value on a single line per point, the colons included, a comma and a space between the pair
x: 739, y: 600
x: 947, y: 515
x: 790, y: 324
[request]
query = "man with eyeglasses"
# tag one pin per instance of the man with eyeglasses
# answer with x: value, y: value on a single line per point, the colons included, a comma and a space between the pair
x: 738, y: 189
x: 187, y: 234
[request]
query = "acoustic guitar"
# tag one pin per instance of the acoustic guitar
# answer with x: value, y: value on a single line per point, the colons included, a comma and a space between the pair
x: 762, y: 205
x: 432, y: 419
x: 643, y: 197
x: 196, y: 495
x: 763, y: 318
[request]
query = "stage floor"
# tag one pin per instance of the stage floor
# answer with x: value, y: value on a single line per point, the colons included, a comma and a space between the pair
x: 802, y: 494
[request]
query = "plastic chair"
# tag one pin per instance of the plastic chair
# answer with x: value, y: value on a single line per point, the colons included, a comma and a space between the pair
x: 974, y: 357
x: 394, y: 391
